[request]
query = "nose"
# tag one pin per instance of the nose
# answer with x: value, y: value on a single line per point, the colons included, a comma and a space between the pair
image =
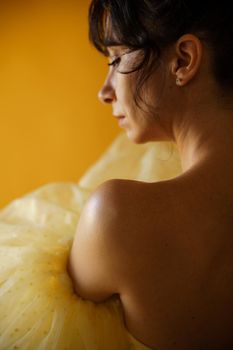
x: 107, y: 93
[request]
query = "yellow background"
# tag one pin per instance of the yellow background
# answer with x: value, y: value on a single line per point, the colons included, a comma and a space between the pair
x: 52, y: 126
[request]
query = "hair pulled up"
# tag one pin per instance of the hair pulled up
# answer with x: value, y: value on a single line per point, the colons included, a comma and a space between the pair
x: 152, y: 25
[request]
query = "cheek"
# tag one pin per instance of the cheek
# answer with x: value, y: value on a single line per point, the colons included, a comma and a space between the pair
x: 126, y: 85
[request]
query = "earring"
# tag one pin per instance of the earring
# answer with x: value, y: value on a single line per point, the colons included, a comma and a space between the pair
x: 178, y: 81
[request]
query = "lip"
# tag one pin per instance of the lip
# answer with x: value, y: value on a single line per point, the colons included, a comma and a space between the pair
x: 120, y: 119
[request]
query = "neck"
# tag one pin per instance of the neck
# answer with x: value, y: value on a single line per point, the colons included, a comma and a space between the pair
x: 205, y: 135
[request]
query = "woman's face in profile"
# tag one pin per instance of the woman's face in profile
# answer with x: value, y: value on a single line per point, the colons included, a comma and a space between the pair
x: 140, y: 123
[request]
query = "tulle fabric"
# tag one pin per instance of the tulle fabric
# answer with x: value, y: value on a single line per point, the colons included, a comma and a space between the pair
x: 38, y: 307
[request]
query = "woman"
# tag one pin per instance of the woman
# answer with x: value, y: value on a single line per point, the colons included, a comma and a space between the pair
x: 165, y: 248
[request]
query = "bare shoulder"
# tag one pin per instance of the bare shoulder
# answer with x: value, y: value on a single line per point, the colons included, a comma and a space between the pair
x: 134, y: 221
x: 132, y: 193
x: 97, y: 261
x: 125, y: 229
x: 127, y: 203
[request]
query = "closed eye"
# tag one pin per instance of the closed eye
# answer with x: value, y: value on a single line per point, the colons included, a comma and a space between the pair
x: 115, y: 62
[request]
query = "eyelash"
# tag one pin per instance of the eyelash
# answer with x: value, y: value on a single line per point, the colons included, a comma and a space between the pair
x: 115, y: 62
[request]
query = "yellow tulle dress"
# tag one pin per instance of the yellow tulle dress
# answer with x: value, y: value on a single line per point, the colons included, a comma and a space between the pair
x: 38, y: 307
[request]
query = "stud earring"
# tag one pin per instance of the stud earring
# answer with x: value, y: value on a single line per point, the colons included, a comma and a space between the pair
x: 178, y: 81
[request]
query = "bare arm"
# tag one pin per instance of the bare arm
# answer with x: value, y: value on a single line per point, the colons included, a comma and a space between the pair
x: 93, y: 262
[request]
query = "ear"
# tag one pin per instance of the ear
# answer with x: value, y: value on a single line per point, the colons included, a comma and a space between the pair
x: 187, y: 60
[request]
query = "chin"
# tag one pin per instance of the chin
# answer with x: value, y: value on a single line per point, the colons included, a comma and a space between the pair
x: 138, y: 137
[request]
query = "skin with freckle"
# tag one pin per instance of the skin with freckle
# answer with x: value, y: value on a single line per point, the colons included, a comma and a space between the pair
x: 167, y: 246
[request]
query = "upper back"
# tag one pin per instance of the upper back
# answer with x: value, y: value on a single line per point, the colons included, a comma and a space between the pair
x: 175, y: 246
